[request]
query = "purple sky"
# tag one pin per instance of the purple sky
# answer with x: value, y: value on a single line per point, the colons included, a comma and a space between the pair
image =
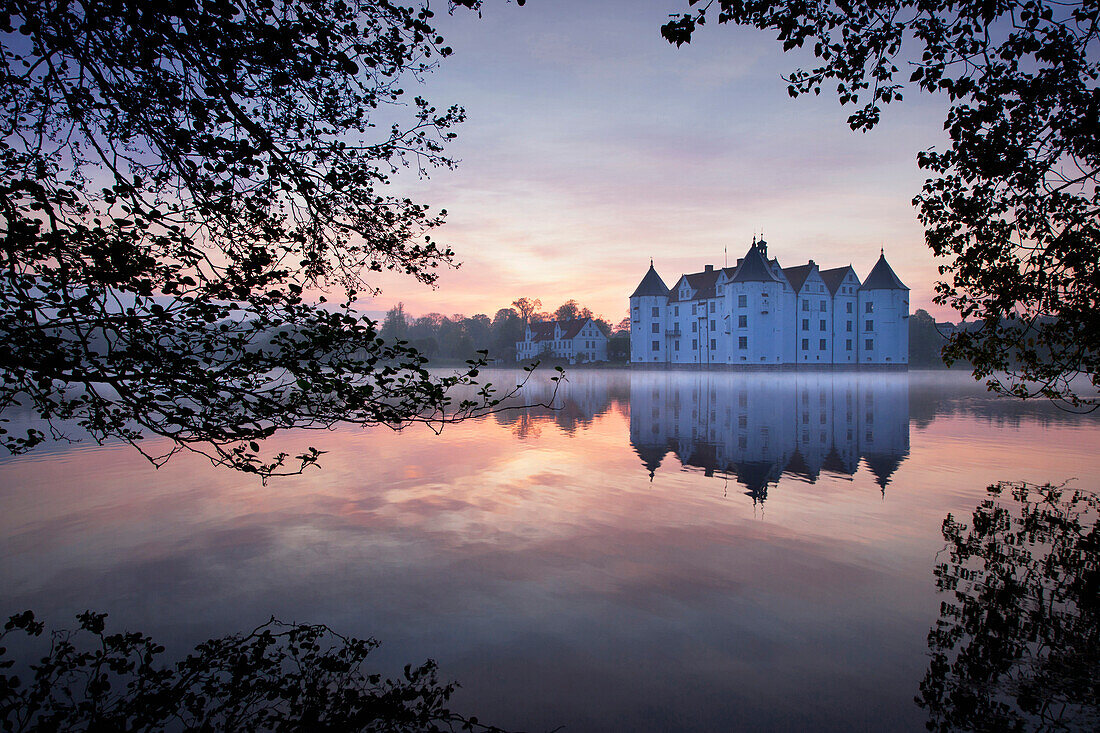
x: 592, y: 144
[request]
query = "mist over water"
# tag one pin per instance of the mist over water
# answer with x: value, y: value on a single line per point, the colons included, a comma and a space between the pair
x: 663, y: 550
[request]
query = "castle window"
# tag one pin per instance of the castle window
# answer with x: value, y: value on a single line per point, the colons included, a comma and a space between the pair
x: 868, y: 307
x: 712, y: 328
x: 822, y: 305
x: 676, y: 310
x: 712, y: 308
x: 822, y: 327
x: 713, y: 345
x: 693, y: 307
x: 695, y: 344
x: 676, y: 345
x: 742, y: 301
x: 806, y: 305
x: 656, y: 327
x: 848, y: 345
x: 849, y: 306
x: 656, y: 345
x: 848, y: 325
x: 805, y: 324
x: 869, y: 344
x: 742, y: 321
x: 805, y: 344
x: 742, y: 342
x: 656, y: 311
x: 821, y: 345
x: 869, y: 326
x: 695, y: 326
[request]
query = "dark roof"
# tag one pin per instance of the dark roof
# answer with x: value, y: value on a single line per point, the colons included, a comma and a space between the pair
x: 799, y: 466
x: 755, y: 476
x: 544, y: 331
x: 651, y: 284
x: 836, y: 463
x: 882, y: 277
x: 651, y: 456
x: 753, y: 268
x: 797, y: 275
x: 835, y: 276
x: 883, y: 465
x: 702, y: 285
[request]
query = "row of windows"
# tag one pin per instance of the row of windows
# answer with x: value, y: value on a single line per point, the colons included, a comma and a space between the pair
x: 743, y: 343
x: 743, y: 302
x: 743, y: 322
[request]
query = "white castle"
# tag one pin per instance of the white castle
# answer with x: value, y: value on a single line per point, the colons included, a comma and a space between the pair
x: 757, y: 313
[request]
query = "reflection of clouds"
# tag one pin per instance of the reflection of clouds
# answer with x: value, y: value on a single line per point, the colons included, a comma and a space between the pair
x: 548, y: 575
x: 591, y: 143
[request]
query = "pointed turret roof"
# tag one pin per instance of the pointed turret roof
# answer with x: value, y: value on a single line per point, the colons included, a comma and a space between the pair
x: 651, y: 456
x: 753, y: 267
x: 882, y: 466
x: 882, y: 277
x: 651, y: 284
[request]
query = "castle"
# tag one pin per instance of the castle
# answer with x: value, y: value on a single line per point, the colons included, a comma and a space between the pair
x: 760, y: 314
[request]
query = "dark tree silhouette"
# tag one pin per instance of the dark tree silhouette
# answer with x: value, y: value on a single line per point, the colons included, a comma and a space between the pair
x: 1017, y: 644
x: 279, y: 677
x: 526, y: 307
x: 177, y: 182
x: 925, y: 341
x: 1013, y: 206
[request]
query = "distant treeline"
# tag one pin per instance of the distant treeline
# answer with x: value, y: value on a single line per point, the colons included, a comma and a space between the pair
x: 926, y: 340
x: 460, y: 337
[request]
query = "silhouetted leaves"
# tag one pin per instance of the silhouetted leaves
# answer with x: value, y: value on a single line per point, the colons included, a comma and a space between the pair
x: 1013, y: 206
x: 175, y: 180
x: 1017, y: 644
x: 279, y: 677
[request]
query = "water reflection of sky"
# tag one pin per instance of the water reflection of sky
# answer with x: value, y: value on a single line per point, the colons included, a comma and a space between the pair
x: 537, y: 559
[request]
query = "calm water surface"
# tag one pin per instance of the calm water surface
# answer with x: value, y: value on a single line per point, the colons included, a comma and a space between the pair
x: 666, y: 551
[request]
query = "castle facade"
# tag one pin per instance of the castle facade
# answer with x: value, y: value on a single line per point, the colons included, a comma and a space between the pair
x: 760, y: 314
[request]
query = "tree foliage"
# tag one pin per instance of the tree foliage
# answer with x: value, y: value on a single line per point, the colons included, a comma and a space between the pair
x: 1013, y: 205
x: 526, y: 307
x: 462, y: 337
x: 1017, y: 644
x: 925, y: 341
x: 279, y: 677
x: 179, y: 182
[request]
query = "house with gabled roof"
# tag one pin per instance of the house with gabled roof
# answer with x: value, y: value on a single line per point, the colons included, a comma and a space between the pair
x: 760, y: 314
x: 576, y: 340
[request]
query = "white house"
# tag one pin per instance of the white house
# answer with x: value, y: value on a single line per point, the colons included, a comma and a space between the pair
x: 575, y: 340
x: 758, y: 313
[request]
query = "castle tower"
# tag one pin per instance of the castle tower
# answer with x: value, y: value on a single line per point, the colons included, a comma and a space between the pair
x: 648, y: 316
x: 883, y: 319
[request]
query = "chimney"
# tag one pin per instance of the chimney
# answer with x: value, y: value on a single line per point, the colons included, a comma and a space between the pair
x: 709, y: 268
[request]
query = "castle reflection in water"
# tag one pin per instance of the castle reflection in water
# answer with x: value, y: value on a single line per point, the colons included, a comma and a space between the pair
x: 755, y: 429
x: 749, y: 428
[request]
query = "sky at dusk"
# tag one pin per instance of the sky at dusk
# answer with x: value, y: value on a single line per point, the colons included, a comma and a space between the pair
x: 592, y: 145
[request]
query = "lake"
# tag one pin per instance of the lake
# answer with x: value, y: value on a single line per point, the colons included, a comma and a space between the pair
x: 667, y: 550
